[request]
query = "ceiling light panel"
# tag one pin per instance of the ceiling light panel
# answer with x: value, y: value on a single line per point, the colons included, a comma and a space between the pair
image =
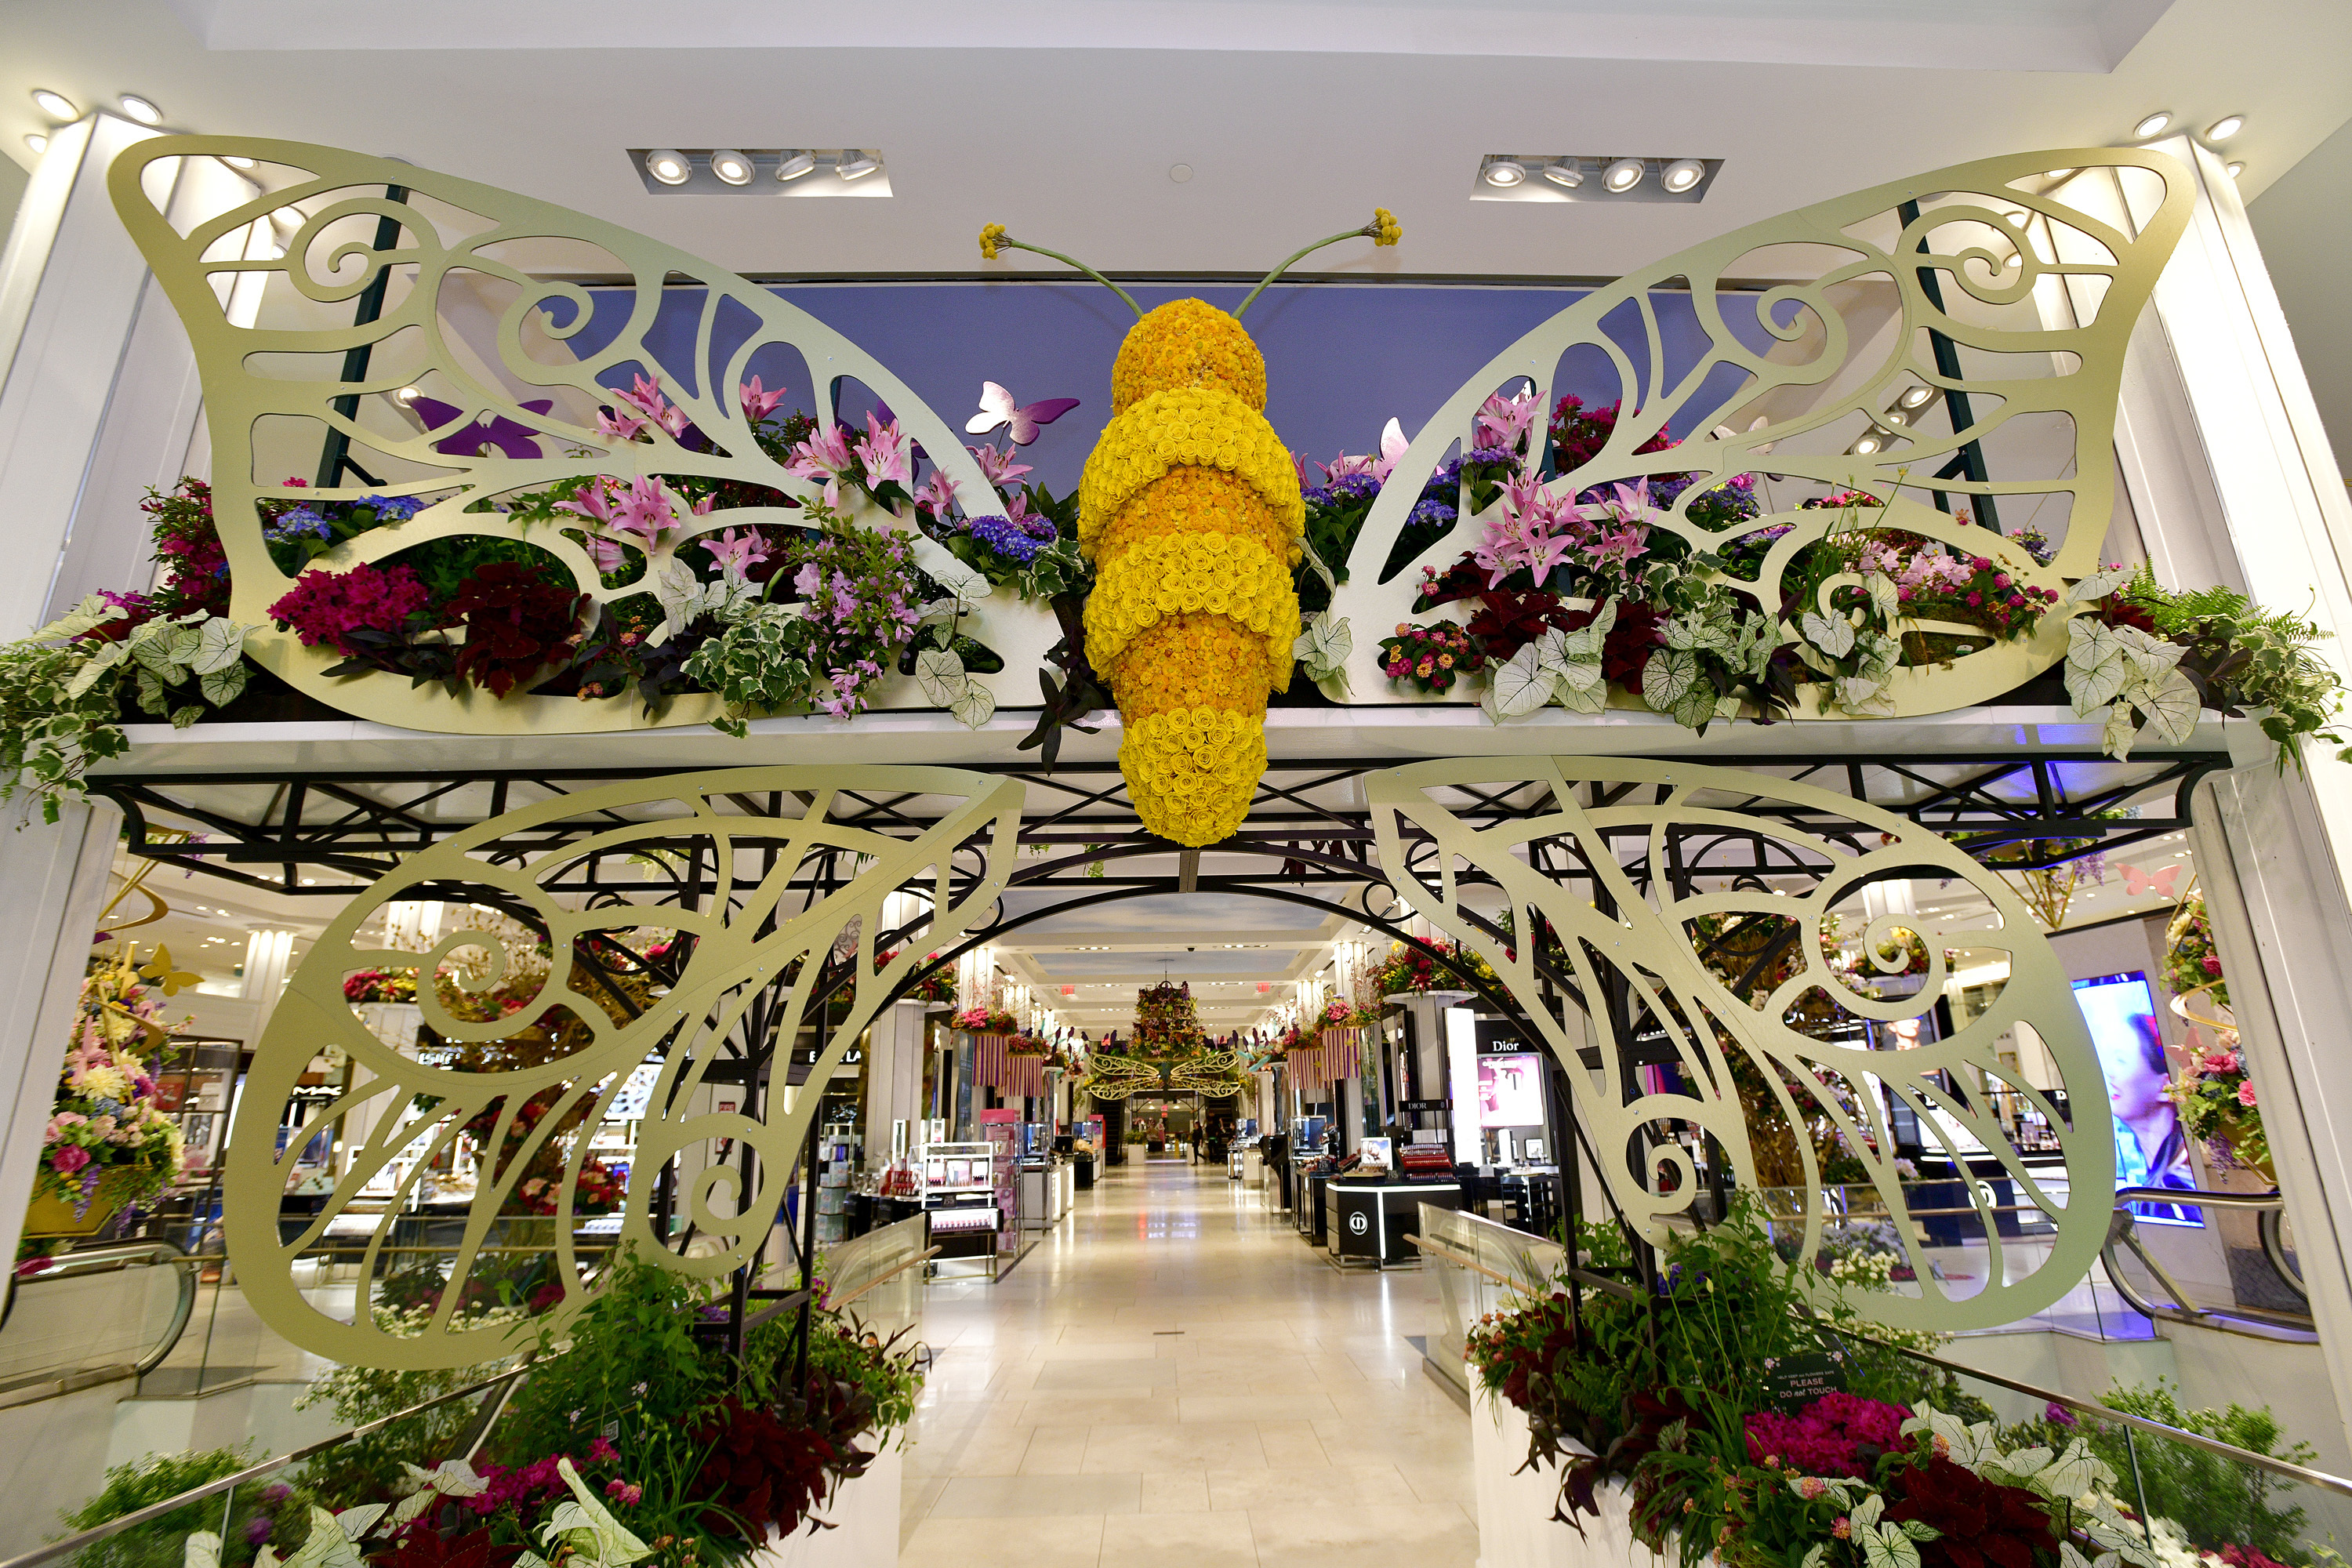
x: 1593, y: 177
x: 761, y: 171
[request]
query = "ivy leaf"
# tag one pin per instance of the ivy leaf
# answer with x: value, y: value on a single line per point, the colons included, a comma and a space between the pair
x: 2172, y: 709
x: 1833, y: 635
x: 1517, y: 687
x: 219, y: 644
x: 939, y: 672
x: 2098, y: 585
x: 1668, y: 678
x: 974, y: 705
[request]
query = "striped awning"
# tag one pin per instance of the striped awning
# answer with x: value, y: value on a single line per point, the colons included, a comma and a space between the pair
x: 997, y: 1066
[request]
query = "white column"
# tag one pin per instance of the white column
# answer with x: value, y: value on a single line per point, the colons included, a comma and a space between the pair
x: 894, y: 1079
x: 53, y: 882
x: 101, y: 398
x: 2233, y: 482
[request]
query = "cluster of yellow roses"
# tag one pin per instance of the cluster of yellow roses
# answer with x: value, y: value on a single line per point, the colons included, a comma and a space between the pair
x: 1190, y: 508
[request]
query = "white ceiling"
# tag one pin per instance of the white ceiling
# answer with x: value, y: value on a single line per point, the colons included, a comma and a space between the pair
x: 1063, y: 119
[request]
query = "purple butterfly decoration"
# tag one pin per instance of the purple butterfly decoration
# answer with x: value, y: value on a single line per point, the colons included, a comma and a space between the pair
x: 997, y: 408
x: 511, y: 439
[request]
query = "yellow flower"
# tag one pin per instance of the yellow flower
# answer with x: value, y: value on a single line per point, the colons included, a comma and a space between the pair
x: 992, y: 237
x: 1384, y: 228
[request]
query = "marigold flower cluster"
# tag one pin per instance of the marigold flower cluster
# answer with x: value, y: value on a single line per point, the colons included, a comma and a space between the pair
x: 1187, y: 343
x: 1166, y: 574
x: 1194, y: 768
x: 1189, y: 505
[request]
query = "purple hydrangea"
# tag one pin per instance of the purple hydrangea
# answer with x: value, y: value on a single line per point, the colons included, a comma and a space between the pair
x: 1430, y: 512
x: 1493, y: 458
x: 393, y: 508
x: 1007, y: 538
x: 296, y: 522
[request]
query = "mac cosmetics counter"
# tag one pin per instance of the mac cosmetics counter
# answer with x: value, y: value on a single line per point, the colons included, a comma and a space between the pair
x: 1362, y: 1210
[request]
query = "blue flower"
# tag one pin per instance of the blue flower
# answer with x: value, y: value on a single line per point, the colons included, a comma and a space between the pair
x: 1445, y: 484
x: 296, y: 523
x: 393, y: 508
x: 1355, y: 486
x: 1493, y: 458
x: 1430, y: 511
x: 1005, y: 537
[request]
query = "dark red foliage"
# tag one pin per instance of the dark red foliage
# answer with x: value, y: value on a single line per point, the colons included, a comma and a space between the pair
x: 2119, y: 612
x: 1508, y: 621
x: 517, y: 624
x: 1635, y: 636
x: 765, y: 1473
x: 1981, y: 1523
x: 422, y: 1547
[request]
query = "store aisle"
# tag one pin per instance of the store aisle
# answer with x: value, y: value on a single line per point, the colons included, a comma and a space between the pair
x: 1173, y: 1376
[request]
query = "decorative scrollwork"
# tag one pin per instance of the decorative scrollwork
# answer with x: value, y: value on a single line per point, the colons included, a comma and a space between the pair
x: 1663, y: 848
x: 792, y: 909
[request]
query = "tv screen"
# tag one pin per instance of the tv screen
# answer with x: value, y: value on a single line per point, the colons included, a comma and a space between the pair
x: 2151, y: 1146
x: 1510, y: 1091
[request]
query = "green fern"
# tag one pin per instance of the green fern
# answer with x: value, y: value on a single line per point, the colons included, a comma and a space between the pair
x: 2242, y: 656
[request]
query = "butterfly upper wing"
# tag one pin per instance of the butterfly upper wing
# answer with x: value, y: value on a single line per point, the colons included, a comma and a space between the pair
x: 1808, y: 363
x: 1027, y: 421
x: 463, y: 237
x: 996, y: 407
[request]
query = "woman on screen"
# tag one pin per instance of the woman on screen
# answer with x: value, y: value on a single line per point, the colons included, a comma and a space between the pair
x: 2151, y: 1150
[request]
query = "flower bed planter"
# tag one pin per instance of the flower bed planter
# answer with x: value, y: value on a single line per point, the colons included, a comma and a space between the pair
x: 863, y: 1514
x: 1515, y: 1527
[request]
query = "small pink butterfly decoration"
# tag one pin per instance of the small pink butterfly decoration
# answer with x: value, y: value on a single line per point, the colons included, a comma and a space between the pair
x: 997, y: 408
x: 2138, y: 882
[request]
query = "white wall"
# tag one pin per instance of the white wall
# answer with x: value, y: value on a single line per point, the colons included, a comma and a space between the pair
x: 2305, y: 224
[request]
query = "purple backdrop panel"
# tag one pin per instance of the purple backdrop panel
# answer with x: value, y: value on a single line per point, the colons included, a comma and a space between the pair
x: 1341, y: 359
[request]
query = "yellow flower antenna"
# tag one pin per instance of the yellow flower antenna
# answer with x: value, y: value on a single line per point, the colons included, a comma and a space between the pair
x: 993, y: 239
x: 1382, y: 230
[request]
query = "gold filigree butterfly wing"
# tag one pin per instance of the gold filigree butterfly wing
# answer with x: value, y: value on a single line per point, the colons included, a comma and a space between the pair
x: 1868, y: 342
x: 475, y: 315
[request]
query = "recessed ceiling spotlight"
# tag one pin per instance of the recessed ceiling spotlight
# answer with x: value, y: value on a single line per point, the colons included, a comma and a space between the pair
x: 860, y: 166
x: 794, y: 166
x: 1917, y: 395
x: 1570, y: 174
x: 669, y: 167
x: 37, y: 143
x: 142, y: 110
x: 1504, y: 172
x: 1896, y: 416
x: 55, y: 105
x: 1863, y: 448
x: 2063, y: 173
x: 2222, y: 130
x: 405, y: 396
x: 731, y: 166
x: 233, y: 162
x: 1682, y: 175
x: 2234, y: 170
x: 1624, y: 174
x: 2150, y: 125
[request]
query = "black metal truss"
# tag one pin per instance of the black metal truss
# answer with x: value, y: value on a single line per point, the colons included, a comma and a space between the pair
x: 266, y: 829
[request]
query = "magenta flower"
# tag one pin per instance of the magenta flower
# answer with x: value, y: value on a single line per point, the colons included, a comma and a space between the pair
x: 826, y: 455
x: 1502, y: 421
x: 736, y: 554
x: 70, y: 1158
x: 996, y: 465
x: 758, y: 402
x: 2245, y: 1096
x: 618, y: 427
x: 884, y: 452
x: 936, y: 494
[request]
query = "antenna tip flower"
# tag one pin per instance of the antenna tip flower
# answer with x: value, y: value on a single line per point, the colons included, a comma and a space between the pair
x: 1384, y: 228
x: 992, y: 239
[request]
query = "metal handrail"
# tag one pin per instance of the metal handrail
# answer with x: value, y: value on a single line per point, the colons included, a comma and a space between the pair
x: 2123, y: 1230
x: 111, y: 1259
x: 72, y: 1543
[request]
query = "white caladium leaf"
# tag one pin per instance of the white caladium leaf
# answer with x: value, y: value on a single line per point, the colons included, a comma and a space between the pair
x: 2172, y: 709
x: 1833, y: 635
x: 1668, y: 678
x: 1323, y: 646
x: 1859, y: 696
x: 91, y: 612
x: 95, y: 667
x: 2115, y: 739
x: 1552, y: 653
x: 2076, y: 1471
x: 219, y: 644
x: 1884, y: 595
x: 2150, y: 658
x: 1697, y: 629
x: 1517, y: 686
x: 1867, y: 1510
x: 326, y: 1546
x: 939, y: 672
x: 974, y: 706
x: 2099, y: 585
x: 1584, y: 642
x: 1592, y: 698
x: 2096, y: 670
x: 201, y: 1550
x: 589, y: 1528
x: 223, y: 687
x: 2024, y: 1462
x: 1881, y: 655
x: 1699, y: 707
x: 1813, y: 1558
x: 356, y: 1523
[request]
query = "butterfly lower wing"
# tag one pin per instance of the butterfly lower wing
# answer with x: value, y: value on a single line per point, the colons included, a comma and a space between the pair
x: 516, y: 1084
x: 1785, y: 379
x: 1645, y: 998
x: 446, y: 236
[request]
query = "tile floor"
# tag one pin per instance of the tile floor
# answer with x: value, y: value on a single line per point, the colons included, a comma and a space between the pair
x: 1171, y: 1375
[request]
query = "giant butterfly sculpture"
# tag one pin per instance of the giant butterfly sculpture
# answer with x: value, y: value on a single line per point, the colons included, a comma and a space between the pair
x: 1997, y: 258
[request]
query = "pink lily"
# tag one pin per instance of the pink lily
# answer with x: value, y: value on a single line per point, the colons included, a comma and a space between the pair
x: 1501, y: 421
x: 1630, y: 504
x: 618, y: 427
x: 593, y: 501
x: 936, y: 494
x: 826, y: 455
x: 606, y: 553
x: 1298, y: 466
x: 884, y: 452
x: 1345, y: 467
x: 647, y: 510
x: 646, y: 396
x: 758, y: 402
x: 1620, y: 546
x: 736, y: 554
x: 996, y: 464
x: 1393, y: 448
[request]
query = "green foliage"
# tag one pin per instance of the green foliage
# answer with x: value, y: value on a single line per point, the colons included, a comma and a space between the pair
x: 758, y: 665
x: 370, y: 1467
x: 2242, y: 656
x: 237, y: 1517
x: 61, y: 690
x: 2215, y: 1501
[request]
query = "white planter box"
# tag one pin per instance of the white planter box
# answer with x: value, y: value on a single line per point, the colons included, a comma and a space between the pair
x: 865, y: 1516
x: 1516, y: 1529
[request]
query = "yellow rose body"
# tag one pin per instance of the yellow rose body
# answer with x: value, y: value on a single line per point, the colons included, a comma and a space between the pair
x: 1190, y: 509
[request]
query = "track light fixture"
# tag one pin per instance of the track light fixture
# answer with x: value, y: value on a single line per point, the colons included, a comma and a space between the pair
x: 37, y: 143
x: 794, y: 165
x: 731, y: 166
x: 858, y: 166
x: 1624, y: 174
x: 669, y: 166
x: 1568, y: 173
x: 1682, y: 175
x: 1504, y: 172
